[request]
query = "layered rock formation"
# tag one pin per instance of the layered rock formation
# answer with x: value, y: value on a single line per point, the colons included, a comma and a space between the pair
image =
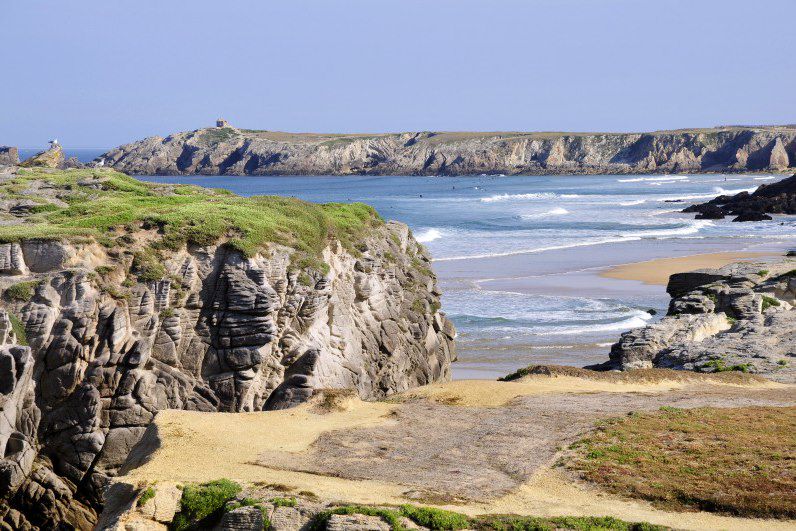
x: 776, y: 198
x: 95, y: 339
x: 740, y: 317
x: 230, y: 151
x: 9, y: 156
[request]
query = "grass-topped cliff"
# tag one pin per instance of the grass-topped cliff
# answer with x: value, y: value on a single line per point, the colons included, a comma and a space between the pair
x: 107, y: 205
x: 232, y: 151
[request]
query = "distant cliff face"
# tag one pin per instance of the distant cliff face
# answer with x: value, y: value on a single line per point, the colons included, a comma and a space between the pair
x: 100, y: 330
x: 230, y: 151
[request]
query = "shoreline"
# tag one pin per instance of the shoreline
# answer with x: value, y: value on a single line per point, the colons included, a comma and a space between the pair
x: 657, y: 271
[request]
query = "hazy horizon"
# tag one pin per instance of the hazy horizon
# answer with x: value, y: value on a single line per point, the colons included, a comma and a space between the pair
x: 100, y: 74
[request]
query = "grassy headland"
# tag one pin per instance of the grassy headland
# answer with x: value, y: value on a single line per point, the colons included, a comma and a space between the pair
x: 105, y: 205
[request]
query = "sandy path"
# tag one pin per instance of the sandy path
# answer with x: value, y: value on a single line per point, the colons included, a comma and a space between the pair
x: 658, y: 271
x: 475, y: 447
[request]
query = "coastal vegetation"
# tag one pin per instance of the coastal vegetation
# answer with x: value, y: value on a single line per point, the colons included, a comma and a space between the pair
x: 202, y: 501
x: 739, y: 461
x: 109, y: 206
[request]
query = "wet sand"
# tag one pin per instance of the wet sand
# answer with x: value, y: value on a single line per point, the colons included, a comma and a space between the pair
x: 657, y: 272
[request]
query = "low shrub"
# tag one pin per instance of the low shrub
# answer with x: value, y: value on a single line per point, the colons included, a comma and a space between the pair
x: 22, y: 292
x: 146, y: 495
x: 205, y: 501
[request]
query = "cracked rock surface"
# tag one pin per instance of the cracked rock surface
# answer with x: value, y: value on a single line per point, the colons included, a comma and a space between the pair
x: 739, y: 317
x: 219, y: 332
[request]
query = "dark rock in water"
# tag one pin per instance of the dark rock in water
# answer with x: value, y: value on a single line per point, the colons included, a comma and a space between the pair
x: 752, y: 216
x: 9, y: 156
x: 775, y: 198
x: 792, y: 252
x: 711, y: 212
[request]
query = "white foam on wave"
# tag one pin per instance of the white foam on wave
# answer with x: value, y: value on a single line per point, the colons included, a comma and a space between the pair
x: 691, y: 227
x: 500, y: 198
x: 652, y: 179
x: 637, y: 320
x: 765, y: 178
x: 717, y: 191
x: 633, y: 203
x: 661, y: 183
x: 428, y: 235
x: 587, y: 243
x: 540, y: 215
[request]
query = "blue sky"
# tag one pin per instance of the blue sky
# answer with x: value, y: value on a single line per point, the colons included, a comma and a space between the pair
x: 98, y: 73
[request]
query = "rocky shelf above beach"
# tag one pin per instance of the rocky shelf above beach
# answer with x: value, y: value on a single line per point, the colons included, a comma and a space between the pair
x: 776, y: 198
x: 227, y: 150
x: 740, y: 317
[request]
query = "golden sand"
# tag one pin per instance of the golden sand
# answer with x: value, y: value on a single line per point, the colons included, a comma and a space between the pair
x: 658, y: 271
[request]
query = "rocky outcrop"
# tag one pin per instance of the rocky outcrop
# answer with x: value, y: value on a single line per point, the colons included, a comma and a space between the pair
x: 230, y: 151
x: 776, y: 198
x: 740, y: 317
x: 89, y: 354
x: 9, y: 156
x: 51, y: 158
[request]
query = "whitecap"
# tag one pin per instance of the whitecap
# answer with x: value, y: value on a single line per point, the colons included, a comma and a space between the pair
x: 638, y: 320
x: 516, y: 197
x: 633, y: 203
x: 586, y: 243
x: 663, y: 178
x: 428, y: 235
x: 540, y: 215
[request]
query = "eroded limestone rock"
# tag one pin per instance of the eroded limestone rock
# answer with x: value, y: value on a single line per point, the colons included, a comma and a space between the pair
x: 220, y: 332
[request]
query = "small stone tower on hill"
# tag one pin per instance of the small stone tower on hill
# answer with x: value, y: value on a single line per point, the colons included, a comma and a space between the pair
x: 222, y: 123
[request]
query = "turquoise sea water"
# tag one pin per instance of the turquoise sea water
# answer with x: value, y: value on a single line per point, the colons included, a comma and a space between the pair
x: 517, y: 256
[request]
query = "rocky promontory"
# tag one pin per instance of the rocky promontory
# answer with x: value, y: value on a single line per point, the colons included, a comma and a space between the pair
x: 226, y: 150
x: 121, y: 299
x: 736, y: 318
x: 775, y: 198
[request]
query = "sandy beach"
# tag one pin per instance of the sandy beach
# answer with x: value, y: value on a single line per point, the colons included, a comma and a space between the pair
x: 657, y: 272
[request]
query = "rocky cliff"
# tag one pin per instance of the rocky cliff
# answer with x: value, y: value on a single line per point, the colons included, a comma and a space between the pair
x: 229, y: 151
x: 121, y: 299
x: 737, y: 318
x: 776, y: 198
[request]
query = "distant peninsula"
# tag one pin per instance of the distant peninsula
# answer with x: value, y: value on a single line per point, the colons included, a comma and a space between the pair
x: 227, y: 150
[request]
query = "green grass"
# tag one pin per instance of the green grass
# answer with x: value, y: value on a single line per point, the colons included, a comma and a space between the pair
x: 442, y: 520
x: 578, y: 523
x: 19, y: 330
x: 721, y: 366
x: 185, y: 214
x: 739, y: 461
x: 763, y: 272
x: 435, y: 518
x: 769, y: 302
x: 200, y: 502
x: 284, y: 502
x: 22, y: 292
x: 146, y: 495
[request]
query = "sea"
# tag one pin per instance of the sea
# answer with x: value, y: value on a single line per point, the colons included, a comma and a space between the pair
x: 518, y: 257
